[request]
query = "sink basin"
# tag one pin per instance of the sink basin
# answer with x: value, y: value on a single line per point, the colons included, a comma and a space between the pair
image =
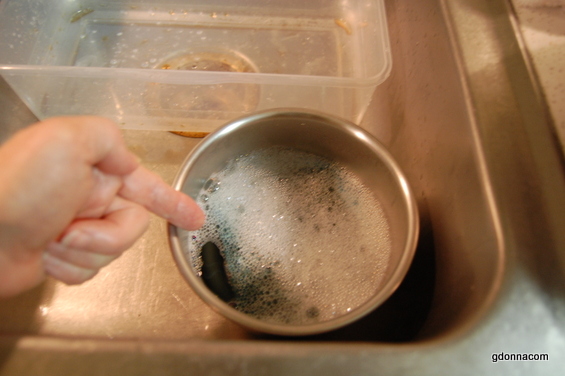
x: 462, y: 114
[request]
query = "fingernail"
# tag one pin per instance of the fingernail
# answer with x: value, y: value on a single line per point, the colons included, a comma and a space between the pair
x: 75, y: 239
x: 194, y: 217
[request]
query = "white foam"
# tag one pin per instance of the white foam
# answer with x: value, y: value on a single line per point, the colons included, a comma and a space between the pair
x: 302, y: 238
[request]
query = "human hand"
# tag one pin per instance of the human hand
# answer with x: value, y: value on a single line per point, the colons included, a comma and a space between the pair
x: 72, y: 199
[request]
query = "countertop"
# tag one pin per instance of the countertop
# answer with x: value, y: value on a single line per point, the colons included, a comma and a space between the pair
x: 542, y: 23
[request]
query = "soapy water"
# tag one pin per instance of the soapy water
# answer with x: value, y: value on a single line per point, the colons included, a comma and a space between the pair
x: 303, y: 240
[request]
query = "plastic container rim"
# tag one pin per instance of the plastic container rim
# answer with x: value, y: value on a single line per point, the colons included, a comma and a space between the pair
x: 194, y: 77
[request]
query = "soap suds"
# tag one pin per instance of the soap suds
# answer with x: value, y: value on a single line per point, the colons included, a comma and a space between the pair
x: 302, y: 238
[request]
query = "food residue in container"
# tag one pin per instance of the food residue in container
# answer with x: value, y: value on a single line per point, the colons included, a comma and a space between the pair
x: 344, y: 25
x: 80, y: 14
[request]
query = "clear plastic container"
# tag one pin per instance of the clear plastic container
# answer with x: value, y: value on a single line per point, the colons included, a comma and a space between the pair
x: 193, y: 65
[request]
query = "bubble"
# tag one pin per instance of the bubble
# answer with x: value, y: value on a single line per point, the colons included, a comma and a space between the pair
x: 290, y: 259
x: 212, y: 185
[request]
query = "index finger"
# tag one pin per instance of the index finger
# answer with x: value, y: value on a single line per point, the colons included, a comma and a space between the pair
x: 148, y: 189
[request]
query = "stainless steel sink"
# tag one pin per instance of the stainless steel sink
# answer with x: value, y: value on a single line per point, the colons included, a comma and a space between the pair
x: 463, y: 115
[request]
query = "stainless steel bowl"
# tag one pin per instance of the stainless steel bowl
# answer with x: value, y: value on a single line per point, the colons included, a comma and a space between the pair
x: 329, y: 137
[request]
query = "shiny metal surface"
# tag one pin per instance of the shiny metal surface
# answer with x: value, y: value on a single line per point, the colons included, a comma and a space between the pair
x: 335, y: 140
x: 465, y: 120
